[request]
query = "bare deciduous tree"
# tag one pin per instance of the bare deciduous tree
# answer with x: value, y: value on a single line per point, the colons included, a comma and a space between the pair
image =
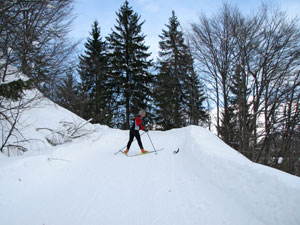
x: 34, y: 37
x: 34, y: 52
x: 255, y: 61
x: 212, y: 41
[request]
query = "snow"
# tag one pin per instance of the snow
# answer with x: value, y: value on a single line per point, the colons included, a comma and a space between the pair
x: 40, y: 123
x: 9, y: 51
x: 12, y: 73
x: 280, y: 160
x: 84, y: 183
x: 50, y: 6
x: 36, y: 43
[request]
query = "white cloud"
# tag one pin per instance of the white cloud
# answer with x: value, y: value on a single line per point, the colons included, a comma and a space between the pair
x: 149, y: 5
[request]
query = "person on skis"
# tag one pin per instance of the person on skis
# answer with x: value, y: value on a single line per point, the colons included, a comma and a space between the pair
x: 134, y: 131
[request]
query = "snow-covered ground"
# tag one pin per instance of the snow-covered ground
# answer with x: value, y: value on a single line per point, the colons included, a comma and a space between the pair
x: 84, y: 183
x: 40, y: 123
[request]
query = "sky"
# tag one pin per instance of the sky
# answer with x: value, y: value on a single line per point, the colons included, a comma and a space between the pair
x: 156, y: 14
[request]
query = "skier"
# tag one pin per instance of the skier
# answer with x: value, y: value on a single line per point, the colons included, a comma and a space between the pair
x: 134, y: 132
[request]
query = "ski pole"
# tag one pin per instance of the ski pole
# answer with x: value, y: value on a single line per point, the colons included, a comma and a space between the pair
x: 126, y: 146
x: 120, y: 150
x: 151, y: 143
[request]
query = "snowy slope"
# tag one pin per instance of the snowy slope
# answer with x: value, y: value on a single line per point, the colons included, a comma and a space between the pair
x: 84, y: 183
x: 36, y: 118
x: 39, y: 121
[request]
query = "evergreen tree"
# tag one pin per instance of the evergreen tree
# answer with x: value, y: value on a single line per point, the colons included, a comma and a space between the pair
x: 194, y: 95
x: 129, y: 66
x: 239, y: 124
x: 67, y: 93
x: 169, y: 91
x: 95, y: 91
x: 178, y: 91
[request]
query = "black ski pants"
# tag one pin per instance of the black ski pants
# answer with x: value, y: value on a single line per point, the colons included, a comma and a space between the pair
x: 136, y: 134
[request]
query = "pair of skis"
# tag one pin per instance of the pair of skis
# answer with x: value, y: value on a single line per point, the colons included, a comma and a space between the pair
x: 148, y: 152
x: 139, y: 154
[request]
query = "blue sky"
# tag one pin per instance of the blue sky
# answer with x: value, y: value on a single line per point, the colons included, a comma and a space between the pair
x: 157, y: 12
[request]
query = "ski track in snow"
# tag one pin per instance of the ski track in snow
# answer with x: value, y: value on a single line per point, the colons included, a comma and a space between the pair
x: 206, y: 183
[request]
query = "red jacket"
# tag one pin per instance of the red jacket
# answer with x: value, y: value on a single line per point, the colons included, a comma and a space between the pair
x: 138, y: 124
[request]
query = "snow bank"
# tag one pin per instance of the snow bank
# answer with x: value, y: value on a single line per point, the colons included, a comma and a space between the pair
x: 12, y: 73
x: 39, y: 123
x: 43, y: 123
x: 207, y: 182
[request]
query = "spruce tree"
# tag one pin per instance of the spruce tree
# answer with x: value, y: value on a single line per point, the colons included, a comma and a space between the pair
x: 194, y: 96
x: 169, y: 92
x: 95, y: 86
x: 129, y: 66
x: 178, y: 91
x: 67, y: 93
x: 239, y: 110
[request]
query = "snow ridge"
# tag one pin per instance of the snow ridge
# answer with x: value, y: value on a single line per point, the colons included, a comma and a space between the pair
x: 207, y: 182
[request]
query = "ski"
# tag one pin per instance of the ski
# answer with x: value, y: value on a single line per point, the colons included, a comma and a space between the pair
x: 139, y: 154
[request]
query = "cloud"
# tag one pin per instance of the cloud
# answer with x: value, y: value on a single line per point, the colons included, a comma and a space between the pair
x: 149, y: 5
